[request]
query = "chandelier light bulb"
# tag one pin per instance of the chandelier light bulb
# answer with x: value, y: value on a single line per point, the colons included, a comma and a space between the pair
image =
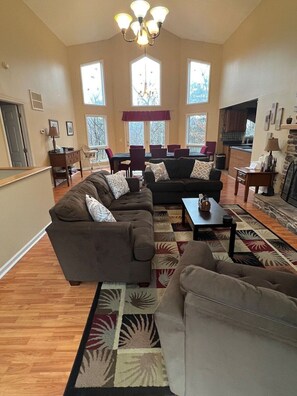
x: 123, y: 20
x: 142, y: 38
x: 135, y: 26
x: 159, y: 13
x: 140, y: 8
x: 152, y: 27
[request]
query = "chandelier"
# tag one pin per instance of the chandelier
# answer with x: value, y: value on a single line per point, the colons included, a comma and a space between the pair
x: 147, y: 89
x: 145, y: 32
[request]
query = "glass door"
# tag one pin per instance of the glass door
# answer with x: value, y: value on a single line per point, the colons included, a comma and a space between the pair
x: 147, y: 132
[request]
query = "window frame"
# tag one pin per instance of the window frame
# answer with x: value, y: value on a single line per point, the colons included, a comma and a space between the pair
x: 146, y: 142
x: 106, y: 130
x: 131, y: 81
x: 189, y: 78
x: 187, y: 144
x: 101, y: 62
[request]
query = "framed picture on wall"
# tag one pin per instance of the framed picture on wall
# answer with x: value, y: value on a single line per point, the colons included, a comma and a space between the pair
x: 69, y: 128
x: 267, y: 121
x: 273, y: 113
x: 279, y: 117
x: 54, y: 123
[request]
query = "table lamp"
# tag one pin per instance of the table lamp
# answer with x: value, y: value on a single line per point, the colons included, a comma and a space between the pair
x: 272, y: 145
x: 53, y: 132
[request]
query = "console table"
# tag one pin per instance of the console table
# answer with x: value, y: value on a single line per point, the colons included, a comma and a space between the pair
x: 253, y: 177
x: 64, y: 159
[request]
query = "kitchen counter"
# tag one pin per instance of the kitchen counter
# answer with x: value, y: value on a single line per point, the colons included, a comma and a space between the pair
x: 243, y: 147
x: 240, y: 156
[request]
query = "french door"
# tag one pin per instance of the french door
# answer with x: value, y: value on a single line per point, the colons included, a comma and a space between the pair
x: 147, y: 132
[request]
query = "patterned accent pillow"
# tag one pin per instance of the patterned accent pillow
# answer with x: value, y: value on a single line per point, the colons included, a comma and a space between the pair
x: 201, y: 170
x: 98, y: 211
x: 118, y: 184
x: 159, y: 170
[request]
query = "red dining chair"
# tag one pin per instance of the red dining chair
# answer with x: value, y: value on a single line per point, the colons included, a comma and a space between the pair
x: 137, y: 160
x: 184, y: 152
x: 172, y: 147
x: 159, y: 152
x: 135, y: 147
x: 211, y: 149
x: 155, y: 146
x: 203, y: 150
x: 122, y: 166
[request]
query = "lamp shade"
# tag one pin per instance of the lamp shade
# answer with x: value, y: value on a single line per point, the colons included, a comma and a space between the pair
x: 159, y: 13
x: 123, y: 20
x: 272, y: 145
x: 53, y: 132
x: 140, y: 8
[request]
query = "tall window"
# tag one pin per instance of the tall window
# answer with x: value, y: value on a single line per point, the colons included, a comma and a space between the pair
x: 198, y: 82
x: 196, y: 130
x: 147, y: 132
x: 93, y: 83
x: 97, y: 134
x: 145, y: 77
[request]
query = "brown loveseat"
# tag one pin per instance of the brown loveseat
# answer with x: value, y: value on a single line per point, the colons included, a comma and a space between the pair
x: 120, y: 251
x: 228, y: 329
x: 180, y: 184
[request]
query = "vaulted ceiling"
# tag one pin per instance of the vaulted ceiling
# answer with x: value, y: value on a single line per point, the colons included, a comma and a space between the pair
x: 82, y: 21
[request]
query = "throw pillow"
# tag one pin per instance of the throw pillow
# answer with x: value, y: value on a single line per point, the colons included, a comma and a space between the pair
x: 118, y: 184
x: 201, y: 170
x: 203, y: 150
x: 98, y: 211
x: 159, y: 170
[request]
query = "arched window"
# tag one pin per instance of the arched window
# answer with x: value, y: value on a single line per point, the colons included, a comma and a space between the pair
x: 146, y: 80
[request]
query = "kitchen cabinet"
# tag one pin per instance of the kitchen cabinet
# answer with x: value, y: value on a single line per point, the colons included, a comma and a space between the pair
x: 235, y: 121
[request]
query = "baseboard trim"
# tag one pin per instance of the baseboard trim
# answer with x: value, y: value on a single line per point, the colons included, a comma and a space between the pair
x: 13, y: 261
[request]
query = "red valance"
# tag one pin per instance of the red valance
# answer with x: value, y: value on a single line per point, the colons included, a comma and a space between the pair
x: 162, y: 115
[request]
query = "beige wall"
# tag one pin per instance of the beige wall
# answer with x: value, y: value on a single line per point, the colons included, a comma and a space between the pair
x: 259, y: 61
x: 38, y: 61
x: 173, y: 53
x: 26, y: 214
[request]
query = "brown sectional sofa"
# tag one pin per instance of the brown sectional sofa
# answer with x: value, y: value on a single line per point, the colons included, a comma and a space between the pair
x: 92, y: 251
x: 180, y: 184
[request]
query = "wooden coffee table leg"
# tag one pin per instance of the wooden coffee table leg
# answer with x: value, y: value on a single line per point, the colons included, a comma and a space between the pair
x: 232, y: 239
x: 183, y: 215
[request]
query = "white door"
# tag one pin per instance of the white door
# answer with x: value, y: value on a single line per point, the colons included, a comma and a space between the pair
x: 147, y: 132
x: 15, y: 139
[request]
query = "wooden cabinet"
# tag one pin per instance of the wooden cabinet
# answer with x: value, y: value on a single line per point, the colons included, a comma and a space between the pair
x: 238, y: 158
x: 235, y: 121
x: 61, y: 164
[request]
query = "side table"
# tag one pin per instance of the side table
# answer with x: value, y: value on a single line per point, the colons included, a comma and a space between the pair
x: 64, y: 159
x: 253, y: 177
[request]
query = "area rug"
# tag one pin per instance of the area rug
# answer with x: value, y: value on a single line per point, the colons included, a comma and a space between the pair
x: 120, y: 352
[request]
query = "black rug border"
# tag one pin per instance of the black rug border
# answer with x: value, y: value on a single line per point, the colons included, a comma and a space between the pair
x: 70, y: 389
x: 292, y: 247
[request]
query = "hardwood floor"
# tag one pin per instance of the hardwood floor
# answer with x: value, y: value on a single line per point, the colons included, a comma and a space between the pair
x: 42, y: 317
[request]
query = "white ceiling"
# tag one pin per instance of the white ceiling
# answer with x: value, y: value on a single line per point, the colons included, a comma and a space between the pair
x: 83, y: 21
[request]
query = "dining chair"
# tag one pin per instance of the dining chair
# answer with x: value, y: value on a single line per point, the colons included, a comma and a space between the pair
x: 135, y: 147
x: 137, y: 160
x: 155, y: 146
x: 122, y: 166
x: 90, y: 155
x: 172, y: 147
x: 203, y: 150
x: 159, y: 152
x: 184, y: 152
x: 211, y: 149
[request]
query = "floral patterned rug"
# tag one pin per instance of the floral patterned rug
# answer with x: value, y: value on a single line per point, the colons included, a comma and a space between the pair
x: 120, y: 352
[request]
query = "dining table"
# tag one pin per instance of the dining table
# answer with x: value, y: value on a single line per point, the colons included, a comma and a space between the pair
x: 119, y: 157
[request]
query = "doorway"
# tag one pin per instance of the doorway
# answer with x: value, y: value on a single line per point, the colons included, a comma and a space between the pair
x: 15, y: 131
x: 145, y: 133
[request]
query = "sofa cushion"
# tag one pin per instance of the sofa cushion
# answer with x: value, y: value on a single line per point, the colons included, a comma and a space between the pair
x: 72, y: 207
x: 167, y: 186
x: 239, y: 294
x: 118, y: 184
x: 104, y: 192
x: 201, y: 186
x: 201, y: 170
x: 142, y: 229
x: 180, y: 168
x: 141, y: 200
x: 98, y: 211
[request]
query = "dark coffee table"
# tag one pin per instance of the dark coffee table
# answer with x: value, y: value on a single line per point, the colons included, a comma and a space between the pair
x: 214, y: 218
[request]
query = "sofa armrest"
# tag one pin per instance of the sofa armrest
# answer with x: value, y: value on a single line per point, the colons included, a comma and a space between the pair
x: 133, y: 183
x: 149, y: 176
x: 83, y: 247
x: 215, y: 174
